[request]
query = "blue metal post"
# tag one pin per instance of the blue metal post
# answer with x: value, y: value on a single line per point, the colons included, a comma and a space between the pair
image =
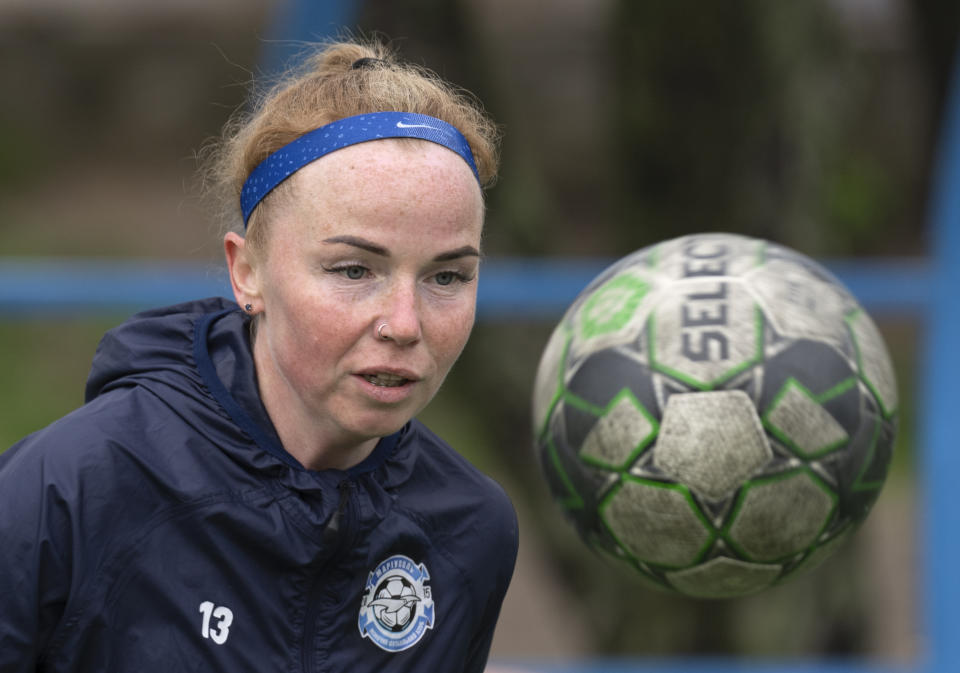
x: 938, y: 406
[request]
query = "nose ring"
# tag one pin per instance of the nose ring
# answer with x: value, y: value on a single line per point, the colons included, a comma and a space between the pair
x: 380, y: 331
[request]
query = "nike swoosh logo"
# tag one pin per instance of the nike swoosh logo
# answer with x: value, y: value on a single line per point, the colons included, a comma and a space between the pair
x: 401, y: 125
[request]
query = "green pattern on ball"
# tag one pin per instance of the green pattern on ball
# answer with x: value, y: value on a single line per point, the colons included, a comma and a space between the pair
x: 873, y: 361
x: 571, y: 500
x: 657, y: 523
x: 798, y: 419
x: 624, y: 430
x: 778, y: 517
x: 862, y: 483
x: 549, y: 385
x: 723, y: 577
x: 610, y: 308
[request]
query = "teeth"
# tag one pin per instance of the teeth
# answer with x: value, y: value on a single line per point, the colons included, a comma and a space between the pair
x: 385, y: 380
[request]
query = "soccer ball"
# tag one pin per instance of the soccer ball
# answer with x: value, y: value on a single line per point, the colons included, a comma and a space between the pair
x: 395, y: 603
x: 716, y: 411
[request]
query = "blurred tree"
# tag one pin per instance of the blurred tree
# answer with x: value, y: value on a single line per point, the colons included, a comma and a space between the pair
x: 777, y: 120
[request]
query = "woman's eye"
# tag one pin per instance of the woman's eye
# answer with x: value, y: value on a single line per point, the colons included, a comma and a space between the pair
x: 348, y: 271
x: 353, y: 272
x: 445, y: 277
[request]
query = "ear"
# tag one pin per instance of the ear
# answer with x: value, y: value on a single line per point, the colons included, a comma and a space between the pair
x: 244, y: 278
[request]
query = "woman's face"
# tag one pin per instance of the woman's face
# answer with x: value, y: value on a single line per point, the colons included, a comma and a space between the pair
x: 380, y: 232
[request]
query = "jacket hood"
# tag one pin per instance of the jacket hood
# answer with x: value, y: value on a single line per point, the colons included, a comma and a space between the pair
x: 150, y: 346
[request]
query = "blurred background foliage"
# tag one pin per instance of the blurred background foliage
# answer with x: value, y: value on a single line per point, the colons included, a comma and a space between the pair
x: 810, y: 123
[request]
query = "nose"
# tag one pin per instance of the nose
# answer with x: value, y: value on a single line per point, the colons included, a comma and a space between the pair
x: 402, y: 314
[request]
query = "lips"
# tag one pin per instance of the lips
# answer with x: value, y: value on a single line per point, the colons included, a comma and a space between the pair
x: 385, y: 380
x: 388, y: 378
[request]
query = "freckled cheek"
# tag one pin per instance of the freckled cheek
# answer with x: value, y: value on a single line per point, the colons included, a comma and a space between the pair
x: 452, y: 330
x: 310, y: 351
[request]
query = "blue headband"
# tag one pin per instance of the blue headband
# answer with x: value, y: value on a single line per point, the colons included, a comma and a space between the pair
x: 342, y: 133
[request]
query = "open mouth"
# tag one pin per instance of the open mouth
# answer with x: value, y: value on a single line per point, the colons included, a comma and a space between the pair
x: 385, y: 380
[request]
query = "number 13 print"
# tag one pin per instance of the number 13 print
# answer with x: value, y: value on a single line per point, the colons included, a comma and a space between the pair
x: 222, y: 619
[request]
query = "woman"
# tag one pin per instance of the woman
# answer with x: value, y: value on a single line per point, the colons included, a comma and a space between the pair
x: 244, y: 489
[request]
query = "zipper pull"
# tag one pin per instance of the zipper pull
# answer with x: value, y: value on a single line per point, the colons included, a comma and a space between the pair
x: 332, y: 530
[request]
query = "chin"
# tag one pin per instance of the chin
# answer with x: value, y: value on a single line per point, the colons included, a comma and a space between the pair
x: 381, y: 425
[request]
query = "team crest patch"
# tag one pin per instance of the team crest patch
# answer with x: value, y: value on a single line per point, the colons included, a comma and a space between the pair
x: 397, y: 606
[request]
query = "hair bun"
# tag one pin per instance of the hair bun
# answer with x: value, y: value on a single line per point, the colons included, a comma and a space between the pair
x: 368, y: 62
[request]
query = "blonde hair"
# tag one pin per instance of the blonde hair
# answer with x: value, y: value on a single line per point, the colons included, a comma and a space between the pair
x: 337, y: 80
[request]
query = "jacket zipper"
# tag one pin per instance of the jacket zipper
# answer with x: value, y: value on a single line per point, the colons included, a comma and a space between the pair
x: 335, y: 534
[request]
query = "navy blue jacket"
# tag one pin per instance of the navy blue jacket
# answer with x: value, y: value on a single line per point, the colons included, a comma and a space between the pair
x: 163, y: 527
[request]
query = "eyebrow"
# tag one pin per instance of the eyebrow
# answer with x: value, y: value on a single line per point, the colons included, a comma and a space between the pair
x: 465, y: 251
x: 369, y: 246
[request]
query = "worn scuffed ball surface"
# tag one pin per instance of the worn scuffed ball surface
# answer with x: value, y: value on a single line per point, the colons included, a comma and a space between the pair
x: 716, y: 411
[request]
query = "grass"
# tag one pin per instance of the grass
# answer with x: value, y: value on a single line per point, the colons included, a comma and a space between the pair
x: 45, y: 365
